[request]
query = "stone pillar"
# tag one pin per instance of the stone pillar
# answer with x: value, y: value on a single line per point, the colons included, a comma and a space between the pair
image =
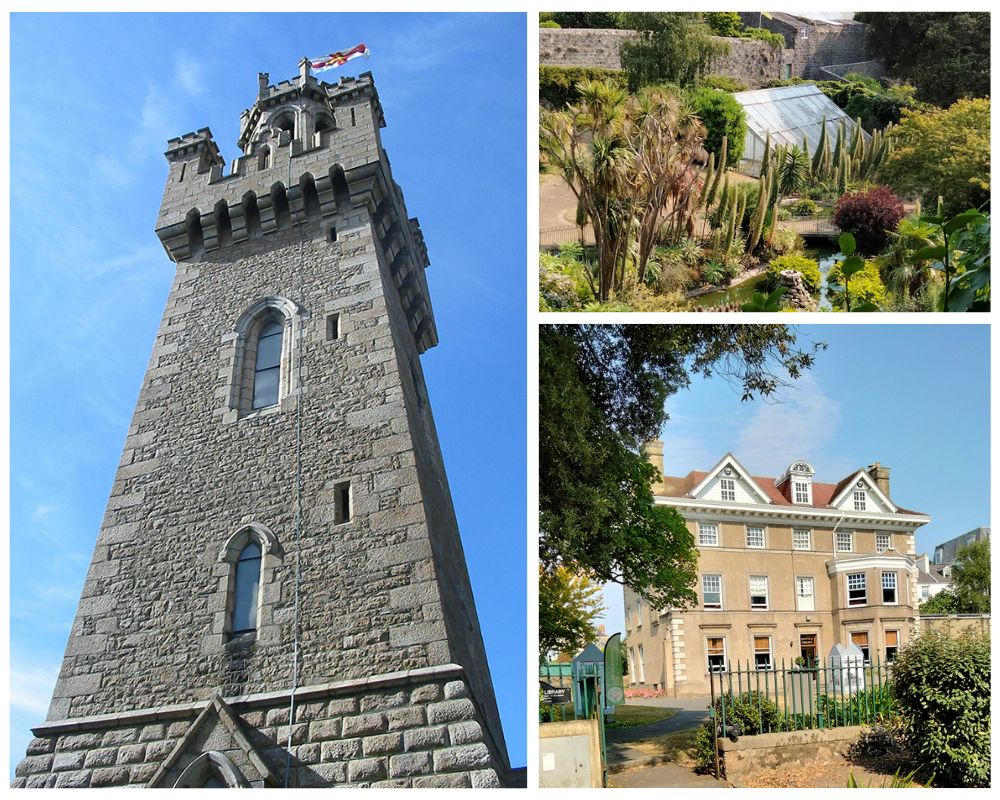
x: 797, y: 296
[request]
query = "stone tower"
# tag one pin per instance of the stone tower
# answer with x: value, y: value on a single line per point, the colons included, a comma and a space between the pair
x: 278, y: 595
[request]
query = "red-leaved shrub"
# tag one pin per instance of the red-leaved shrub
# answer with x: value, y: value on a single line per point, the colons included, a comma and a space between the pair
x: 869, y: 215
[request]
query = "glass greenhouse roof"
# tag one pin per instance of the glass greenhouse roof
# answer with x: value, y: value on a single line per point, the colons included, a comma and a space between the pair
x: 791, y: 112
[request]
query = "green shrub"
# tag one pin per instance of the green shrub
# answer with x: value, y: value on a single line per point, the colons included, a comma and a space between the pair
x: 866, y: 286
x: 724, y: 83
x: 724, y: 23
x: 562, y: 281
x: 722, y: 115
x: 584, y: 19
x: 557, y: 85
x: 752, y: 712
x: 881, y: 740
x: 942, y: 689
x: 809, y: 269
x: 804, y: 207
x: 763, y: 35
x: 549, y: 23
x: 704, y: 749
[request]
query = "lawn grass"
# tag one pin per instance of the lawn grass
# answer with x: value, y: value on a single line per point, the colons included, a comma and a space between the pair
x: 632, y: 716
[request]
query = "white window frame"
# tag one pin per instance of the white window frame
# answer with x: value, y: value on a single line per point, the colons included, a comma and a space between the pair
x: 706, y: 528
x: 850, y: 541
x: 799, y: 596
x: 770, y: 651
x: 894, y: 587
x: 704, y: 603
x: 725, y: 655
x: 767, y: 597
x: 631, y: 665
x: 642, y: 666
x: 925, y: 591
x: 638, y: 612
x: 863, y: 587
x: 727, y: 489
x: 860, y: 500
x: 796, y: 543
x: 763, y: 537
x: 801, y: 492
x: 883, y: 537
x: 868, y: 645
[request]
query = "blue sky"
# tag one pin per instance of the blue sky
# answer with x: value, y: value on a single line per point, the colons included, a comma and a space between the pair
x: 914, y: 397
x: 94, y: 99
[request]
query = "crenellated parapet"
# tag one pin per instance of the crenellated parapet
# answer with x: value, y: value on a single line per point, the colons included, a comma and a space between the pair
x: 294, y: 175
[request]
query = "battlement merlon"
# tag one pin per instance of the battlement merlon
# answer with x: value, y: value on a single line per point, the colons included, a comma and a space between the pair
x: 198, y: 145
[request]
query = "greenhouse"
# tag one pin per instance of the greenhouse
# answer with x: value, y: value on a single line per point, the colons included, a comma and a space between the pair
x: 790, y: 114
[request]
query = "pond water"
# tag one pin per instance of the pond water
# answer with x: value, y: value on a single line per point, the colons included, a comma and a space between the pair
x: 743, y: 292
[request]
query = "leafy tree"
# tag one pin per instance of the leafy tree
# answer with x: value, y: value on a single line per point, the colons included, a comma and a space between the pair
x: 671, y: 47
x: 723, y: 117
x: 628, y: 161
x: 971, y: 575
x: 724, y: 23
x: 940, y: 603
x: 557, y: 85
x: 568, y: 607
x: 946, y: 55
x: 944, y: 153
x: 602, y: 390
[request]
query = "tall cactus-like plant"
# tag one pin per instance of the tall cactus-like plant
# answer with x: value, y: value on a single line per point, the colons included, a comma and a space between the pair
x: 857, y: 139
x: 765, y: 160
x: 759, y: 213
x: 822, y: 149
x: 709, y: 177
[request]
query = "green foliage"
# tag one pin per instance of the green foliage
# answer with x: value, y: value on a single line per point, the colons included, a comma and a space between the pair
x: 763, y: 35
x: 941, y: 603
x: 869, y: 705
x: 805, y: 208
x: 723, y: 118
x: 945, y: 55
x: 704, y: 749
x: 724, y: 23
x: 864, y: 98
x: 944, y: 153
x: 765, y: 302
x: 865, y: 287
x: 809, y: 268
x: 752, y: 712
x: 971, y: 576
x: 672, y: 47
x: 569, y: 606
x: 564, y: 280
x: 548, y: 23
x: 602, y: 393
x: 557, y: 86
x: 583, y: 19
x: 942, y: 689
x: 724, y: 83
x: 883, y: 739
x: 960, y: 247
x: 898, y: 781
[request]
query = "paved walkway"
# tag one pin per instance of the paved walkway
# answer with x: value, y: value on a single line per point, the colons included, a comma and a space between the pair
x: 621, y: 741
x: 665, y: 775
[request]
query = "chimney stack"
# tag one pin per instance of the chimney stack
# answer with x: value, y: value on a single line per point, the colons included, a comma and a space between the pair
x: 653, y: 451
x: 881, y: 476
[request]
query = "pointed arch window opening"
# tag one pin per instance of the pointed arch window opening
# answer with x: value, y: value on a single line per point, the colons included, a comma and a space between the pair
x: 247, y: 590
x: 267, y: 368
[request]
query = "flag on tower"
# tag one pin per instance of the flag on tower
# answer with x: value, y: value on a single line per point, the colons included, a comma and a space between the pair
x: 339, y: 58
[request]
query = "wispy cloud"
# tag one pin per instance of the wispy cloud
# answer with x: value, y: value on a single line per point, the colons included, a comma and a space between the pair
x: 188, y: 72
x: 801, y: 425
x: 436, y: 41
x: 31, y: 687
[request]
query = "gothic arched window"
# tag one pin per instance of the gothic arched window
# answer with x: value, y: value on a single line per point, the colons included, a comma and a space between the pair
x: 260, y: 359
x: 246, y: 589
x: 267, y: 368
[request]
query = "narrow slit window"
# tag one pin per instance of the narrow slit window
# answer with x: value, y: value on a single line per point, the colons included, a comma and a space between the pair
x: 332, y: 234
x: 267, y: 370
x: 333, y: 327
x: 247, y: 586
x: 342, y: 494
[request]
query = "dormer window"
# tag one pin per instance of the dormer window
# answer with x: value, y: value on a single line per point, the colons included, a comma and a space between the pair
x: 801, y: 490
x: 728, y: 489
x: 800, y: 475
